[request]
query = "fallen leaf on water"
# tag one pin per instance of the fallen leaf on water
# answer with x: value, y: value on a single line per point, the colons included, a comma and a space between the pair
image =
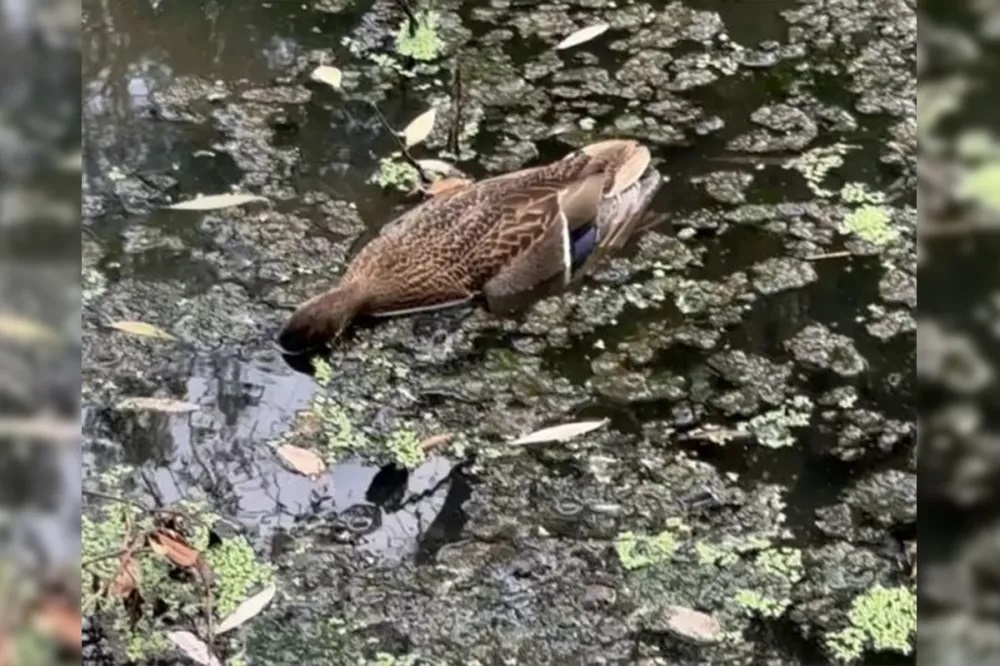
x: 174, y: 547
x: 302, y: 460
x: 420, y: 128
x: 435, y: 441
x: 127, y: 579
x: 450, y: 185
x: 193, y: 647
x: 582, y: 35
x: 143, y: 329
x: 46, y: 428
x: 168, y: 405
x: 331, y: 76
x: 439, y: 167
x: 247, y: 610
x: 216, y: 201
x: 560, y: 432
x: 693, y: 625
x: 61, y: 620
x: 22, y: 329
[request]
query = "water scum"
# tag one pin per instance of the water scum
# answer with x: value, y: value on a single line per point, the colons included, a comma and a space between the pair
x: 777, y: 305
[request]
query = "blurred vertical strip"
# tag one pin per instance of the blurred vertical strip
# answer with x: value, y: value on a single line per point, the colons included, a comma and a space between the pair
x: 40, y: 157
x: 958, y: 346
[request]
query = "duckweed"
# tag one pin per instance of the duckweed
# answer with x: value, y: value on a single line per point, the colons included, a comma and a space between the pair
x: 884, y: 619
x: 773, y: 428
x: 405, y: 448
x: 637, y: 551
x: 423, y: 42
x: 395, y: 173
x: 871, y: 223
x: 982, y: 186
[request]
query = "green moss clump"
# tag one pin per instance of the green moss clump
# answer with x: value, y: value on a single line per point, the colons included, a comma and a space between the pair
x: 778, y: 570
x: 423, y: 43
x: 395, y: 173
x: 871, y: 223
x: 883, y: 618
x: 237, y: 571
x: 764, y: 605
x: 637, y: 551
x: 405, y: 448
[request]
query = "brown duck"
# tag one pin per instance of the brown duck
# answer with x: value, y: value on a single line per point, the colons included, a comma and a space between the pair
x: 503, y: 242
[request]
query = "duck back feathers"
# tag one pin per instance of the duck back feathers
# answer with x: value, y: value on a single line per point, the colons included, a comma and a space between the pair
x: 507, y: 240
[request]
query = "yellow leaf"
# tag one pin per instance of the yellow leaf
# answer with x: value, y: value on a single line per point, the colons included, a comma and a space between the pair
x: 216, y: 201
x: 143, y: 329
x: 21, y: 329
x: 302, y: 460
x: 582, y: 35
x: 420, y: 128
x: 331, y: 76
x: 560, y: 432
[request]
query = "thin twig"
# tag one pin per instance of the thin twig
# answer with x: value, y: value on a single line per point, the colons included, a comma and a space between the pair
x: 402, y: 146
x: 411, y: 17
x: 829, y: 255
x: 456, y: 126
x: 100, y: 558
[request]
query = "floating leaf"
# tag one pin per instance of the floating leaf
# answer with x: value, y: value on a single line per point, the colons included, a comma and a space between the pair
x: 168, y: 405
x: 420, y: 128
x: 247, y: 610
x: 174, y: 547
x: 693, y: 625
x: 560, y: 432
x: 331, y: 76
x: 22, y: 329
x: 40, y: 427
x: 216, y: 201
x: 582, y: 35
x: 193, y: 647
x: 439, y: 167
x: 127, y: 579
x: 143, y: 329
x: 58, y: 618
x: 302, y: 460
x: 435, y: 441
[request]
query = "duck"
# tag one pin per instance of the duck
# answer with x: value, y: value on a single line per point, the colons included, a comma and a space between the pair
x: 501, y: 243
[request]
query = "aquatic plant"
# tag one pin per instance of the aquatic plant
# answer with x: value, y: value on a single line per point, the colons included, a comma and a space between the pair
x: 420, y: 42
x: 884, y: 619
x: 637, y: 551
x: 871, y: 223
x: 395, y: 173
x: 777, y: 570
x: 404, y: 446
x: 982, y: 186
x: 773, y: 428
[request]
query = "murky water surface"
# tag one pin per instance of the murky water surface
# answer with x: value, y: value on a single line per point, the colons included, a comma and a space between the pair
x: 709, y: 322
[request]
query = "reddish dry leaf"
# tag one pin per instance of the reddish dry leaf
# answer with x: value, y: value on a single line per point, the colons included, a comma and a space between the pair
x: 57, y: 618
x: 435, y: 441
x: 173, y: 546
x: 302, y: 460
x: 127, y: 579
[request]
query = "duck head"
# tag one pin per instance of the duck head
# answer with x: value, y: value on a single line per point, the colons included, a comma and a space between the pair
x: 321, y: 319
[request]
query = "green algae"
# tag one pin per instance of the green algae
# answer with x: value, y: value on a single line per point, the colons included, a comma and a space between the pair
x: 883, y: 619
x: 394, y: 173
x: 777, y: 571
x: 637, y: 551
x: 871, y: 223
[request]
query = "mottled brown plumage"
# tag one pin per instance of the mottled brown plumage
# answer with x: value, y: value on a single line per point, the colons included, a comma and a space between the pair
x: 505, y: 241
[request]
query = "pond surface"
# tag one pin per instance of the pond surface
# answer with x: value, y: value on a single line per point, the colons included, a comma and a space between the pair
x: 750, y: 308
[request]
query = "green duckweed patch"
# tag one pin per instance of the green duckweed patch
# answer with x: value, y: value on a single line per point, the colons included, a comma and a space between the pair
x: 637, y: 551
x: 882, y: 619
x: 421, y: 42
x: 394, y: 173
x: 777, y: 571
x: 169, y: 601
x: 981, y: 185
x: 872, y: 224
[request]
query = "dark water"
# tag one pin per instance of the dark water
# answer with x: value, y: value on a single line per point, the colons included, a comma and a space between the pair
x: 134, y: 50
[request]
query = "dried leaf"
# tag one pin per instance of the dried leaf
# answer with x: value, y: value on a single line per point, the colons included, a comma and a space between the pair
x: 582, y: 35
x: 420, y: 128
x: 247, y: 610
x: 45, y: 428
x: 216, y: 201
x: 57, y: 618
x: 560, y: 432
x: 174, y: 547
x: 127, y: 579
x: 435, y: 441
x: 143, y: 329
x: 193, y: 647
x: 152, y: 404
x: 302, y: 460
x: 449, y: 185
x: 440, y: 167
x: 693, y: 625
x: 22, y: 329
x: 331, y: 76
